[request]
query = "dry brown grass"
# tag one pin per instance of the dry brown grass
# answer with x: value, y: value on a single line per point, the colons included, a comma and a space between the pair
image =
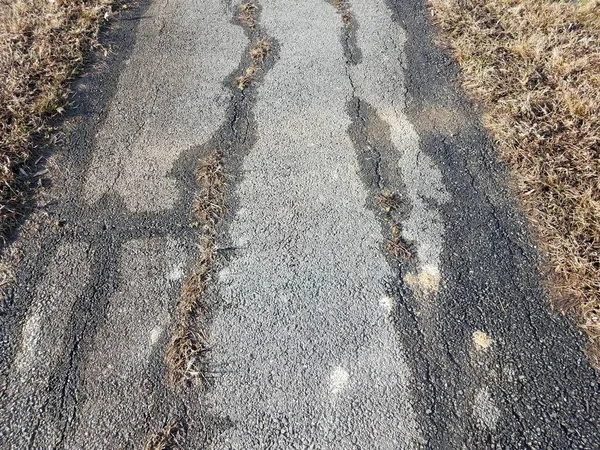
x: 169, y: 438
x: 185, y: 356
x: 534, y: 65
x: 42, y: 44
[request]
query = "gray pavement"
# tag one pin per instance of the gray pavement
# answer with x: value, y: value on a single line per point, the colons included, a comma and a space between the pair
x: 318, y: 337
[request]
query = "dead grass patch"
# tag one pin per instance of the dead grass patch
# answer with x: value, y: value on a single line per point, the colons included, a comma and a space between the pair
x: 42, y: 44
x: 534, y: 65
x: 169, y: 438
x: 185, y: 356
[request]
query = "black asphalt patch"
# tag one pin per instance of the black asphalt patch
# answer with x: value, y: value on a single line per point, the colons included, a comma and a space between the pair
x: 535, y: 369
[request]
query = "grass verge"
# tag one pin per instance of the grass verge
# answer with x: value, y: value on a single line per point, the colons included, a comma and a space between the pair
x: 42, y: 43
x: 534, y: 66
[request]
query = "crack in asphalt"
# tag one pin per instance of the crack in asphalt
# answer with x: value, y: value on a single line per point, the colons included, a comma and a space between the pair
x: 534, y: 373
x: 231, y: 141
x: 297, y: 259
x: 376, y: 175
x: 119, y: 226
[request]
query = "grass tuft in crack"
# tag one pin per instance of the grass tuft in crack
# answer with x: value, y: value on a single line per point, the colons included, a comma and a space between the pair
x: 245, y: 80
x: 259, y: 50
x: 534, y: 65
x: 395, y: 245
x: 168, y: 438
x: 247, y: 15
x: 185, y: 357
x: 343, y: 7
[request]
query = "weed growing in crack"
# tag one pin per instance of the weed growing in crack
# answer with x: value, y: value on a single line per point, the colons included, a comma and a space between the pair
x: 243, y: 81
x: 395, y: 245
x: 247, y: 15
x: 169, y: 438
x: 259, y: 50
x: 189, y: 344
x: 186, y: 353
x: 209, y: 204
x: 343, y: 8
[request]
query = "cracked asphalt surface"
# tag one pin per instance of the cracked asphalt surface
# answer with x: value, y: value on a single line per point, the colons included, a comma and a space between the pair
x: 319, y: 337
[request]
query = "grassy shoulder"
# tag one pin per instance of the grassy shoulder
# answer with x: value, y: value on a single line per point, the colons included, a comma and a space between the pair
x: 42, y: 43
x: 534, y: 66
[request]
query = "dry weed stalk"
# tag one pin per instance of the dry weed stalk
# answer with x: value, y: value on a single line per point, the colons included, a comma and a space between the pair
x: 535, y: 67
x: 166, y: 439
x: 189, y: 343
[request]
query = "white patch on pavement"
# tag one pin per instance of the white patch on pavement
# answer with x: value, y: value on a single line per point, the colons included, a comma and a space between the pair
x: 484, y: 409
x: 386, y: 303
x: 176, y: 273
x: 425, y: 283
x: 379, y: 82
x: 482, y: 340
x: 338, y: 380
x: 155, y: 335
x: 29, y: 340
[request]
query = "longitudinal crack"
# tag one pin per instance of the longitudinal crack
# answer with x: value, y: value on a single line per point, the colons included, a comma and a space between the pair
x: 186, y: 356
x: 190, y: 341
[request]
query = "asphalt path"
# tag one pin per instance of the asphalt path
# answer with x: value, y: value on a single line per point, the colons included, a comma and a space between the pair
x: 319, y: 336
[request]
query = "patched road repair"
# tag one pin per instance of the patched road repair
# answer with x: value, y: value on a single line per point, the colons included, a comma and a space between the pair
x: 279, y: 225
